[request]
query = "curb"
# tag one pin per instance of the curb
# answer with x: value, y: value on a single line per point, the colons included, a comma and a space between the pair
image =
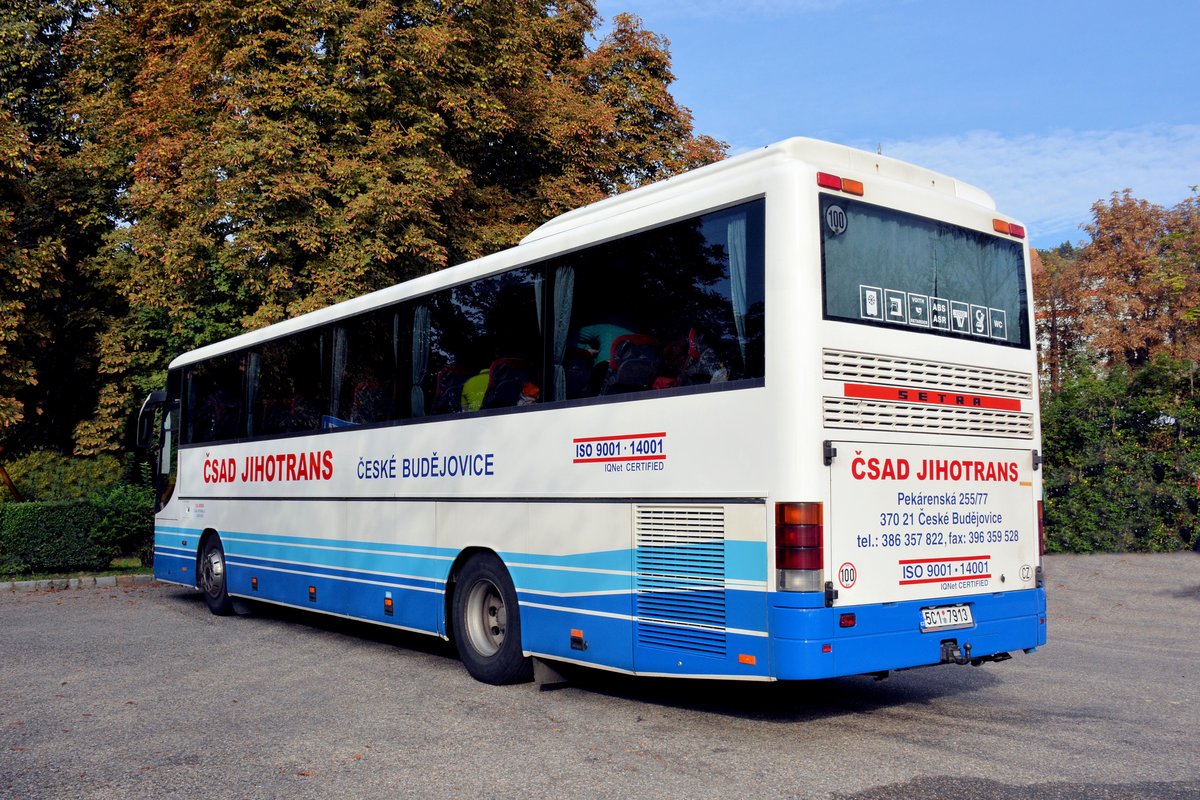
x: 86, y: 582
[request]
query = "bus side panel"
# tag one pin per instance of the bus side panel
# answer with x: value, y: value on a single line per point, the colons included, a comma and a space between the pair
x: 413, y: 605
x: 575, y: 607
x: 572, y: 573
x: 175, y: 554
x: 700, y: 601
x: 888, y: 636
x: 733, y: 652
x: 337, y: 557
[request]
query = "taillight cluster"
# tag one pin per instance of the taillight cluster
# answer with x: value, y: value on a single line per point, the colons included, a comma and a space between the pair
x: 839, y: 184
x: 799, y: 546
x: 1011, y: 228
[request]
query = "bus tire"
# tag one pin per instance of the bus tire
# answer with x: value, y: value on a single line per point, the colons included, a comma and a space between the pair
x: 212, y: 577
x: 487, y: 623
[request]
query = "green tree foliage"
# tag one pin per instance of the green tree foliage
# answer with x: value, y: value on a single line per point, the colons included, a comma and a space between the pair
x: 1123, y: 456
x: 273, y: 157
x: 1119, y: 327
x: 45, y: 475
x: 52, y: 219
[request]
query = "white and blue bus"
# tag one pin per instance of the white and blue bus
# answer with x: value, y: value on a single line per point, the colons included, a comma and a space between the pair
x: 775, y: 418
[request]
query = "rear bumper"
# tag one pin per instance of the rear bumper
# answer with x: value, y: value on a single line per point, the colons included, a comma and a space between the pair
x: 810, y: 643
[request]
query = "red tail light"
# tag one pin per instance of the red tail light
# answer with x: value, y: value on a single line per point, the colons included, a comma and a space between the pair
x: 799, y: 546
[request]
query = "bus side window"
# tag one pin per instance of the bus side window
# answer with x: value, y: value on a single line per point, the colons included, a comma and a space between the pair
x: 213, y: 393
x: 365, y: 365
x: 290, y: 390
x: 682, y: 303
x: 485, y: 345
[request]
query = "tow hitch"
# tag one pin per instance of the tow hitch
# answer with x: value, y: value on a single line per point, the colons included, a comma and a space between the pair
x: 953, y: 654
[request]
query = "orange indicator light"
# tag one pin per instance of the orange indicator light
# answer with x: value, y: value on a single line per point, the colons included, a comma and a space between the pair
x: 746, y: 658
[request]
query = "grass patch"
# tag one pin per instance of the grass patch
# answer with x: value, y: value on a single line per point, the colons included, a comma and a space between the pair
x: 130, y: 565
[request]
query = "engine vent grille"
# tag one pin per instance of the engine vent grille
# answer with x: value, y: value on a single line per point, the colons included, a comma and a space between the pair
x: 911, y: 373
x: 840, y: 365
x: 848, y: 412
x: 680, y: 578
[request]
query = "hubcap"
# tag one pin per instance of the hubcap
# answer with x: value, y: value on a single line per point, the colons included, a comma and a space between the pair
x: 485, y: 618
x: 212, y: 572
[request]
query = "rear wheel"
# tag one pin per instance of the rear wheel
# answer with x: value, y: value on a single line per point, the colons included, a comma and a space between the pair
x: 212, y: 578
x: 487, y: 623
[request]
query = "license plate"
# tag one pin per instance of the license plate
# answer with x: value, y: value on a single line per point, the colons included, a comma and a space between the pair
x: 944, y: 618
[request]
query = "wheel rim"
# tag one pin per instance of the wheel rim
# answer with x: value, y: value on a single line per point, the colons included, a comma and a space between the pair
x: 486, y: 618
x: 212, y: 571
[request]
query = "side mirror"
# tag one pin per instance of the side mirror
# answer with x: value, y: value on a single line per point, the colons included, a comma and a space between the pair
x: 145, y: 424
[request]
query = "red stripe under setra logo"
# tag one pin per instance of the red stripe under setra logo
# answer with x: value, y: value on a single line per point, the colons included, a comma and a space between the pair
x: 897, y: 394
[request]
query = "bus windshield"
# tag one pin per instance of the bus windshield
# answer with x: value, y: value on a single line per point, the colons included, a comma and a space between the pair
x: 885, y: 267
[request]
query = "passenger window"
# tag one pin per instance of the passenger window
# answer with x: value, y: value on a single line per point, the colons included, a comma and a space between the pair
x: 214, y: 393
x: 365, y: 365
x: 483, y: 345
x: 286, y: 390
x: 677, y: 306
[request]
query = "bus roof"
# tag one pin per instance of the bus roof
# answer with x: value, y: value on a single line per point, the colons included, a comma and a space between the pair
x: 823, y: 155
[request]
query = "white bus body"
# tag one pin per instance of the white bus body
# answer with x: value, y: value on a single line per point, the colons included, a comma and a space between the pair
x: 840, y: 492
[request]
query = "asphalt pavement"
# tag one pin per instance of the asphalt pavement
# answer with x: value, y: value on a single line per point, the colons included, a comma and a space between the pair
x: 137, y: 691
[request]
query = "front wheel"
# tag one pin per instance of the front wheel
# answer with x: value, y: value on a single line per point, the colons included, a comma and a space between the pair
x: 487, y: 623
x: 212, y: 578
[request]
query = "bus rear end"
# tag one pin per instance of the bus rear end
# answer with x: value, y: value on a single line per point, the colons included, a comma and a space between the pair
x: 917, y: 541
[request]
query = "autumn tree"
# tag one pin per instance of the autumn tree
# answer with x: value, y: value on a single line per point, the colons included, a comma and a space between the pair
x: 1179, y: 270
x: 1141, y: 281
x: 51, y: 222
x: 1059, y: 298
x: 1118, y: 321
x: 280, y: 156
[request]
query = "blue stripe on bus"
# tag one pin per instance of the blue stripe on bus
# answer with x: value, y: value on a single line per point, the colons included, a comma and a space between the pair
x: 592, y: 592
x: 595, y: 594
x: 742, y: 609
x: 376, y: 577
x: 342, y: 558
x: 577, y: 573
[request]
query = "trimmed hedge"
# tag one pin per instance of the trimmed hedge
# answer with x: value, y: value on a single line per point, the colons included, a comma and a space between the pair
x: 51, y: 537
x: 79, y: 514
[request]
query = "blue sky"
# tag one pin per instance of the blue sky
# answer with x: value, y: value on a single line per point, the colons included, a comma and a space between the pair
x: 1049, y: 106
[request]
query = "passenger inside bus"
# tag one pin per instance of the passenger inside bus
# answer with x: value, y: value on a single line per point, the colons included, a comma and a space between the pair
x: 598, y: 339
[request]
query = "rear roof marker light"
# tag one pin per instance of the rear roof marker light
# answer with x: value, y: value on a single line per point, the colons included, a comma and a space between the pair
x: 1010, y: 228
x: 827, y: 181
